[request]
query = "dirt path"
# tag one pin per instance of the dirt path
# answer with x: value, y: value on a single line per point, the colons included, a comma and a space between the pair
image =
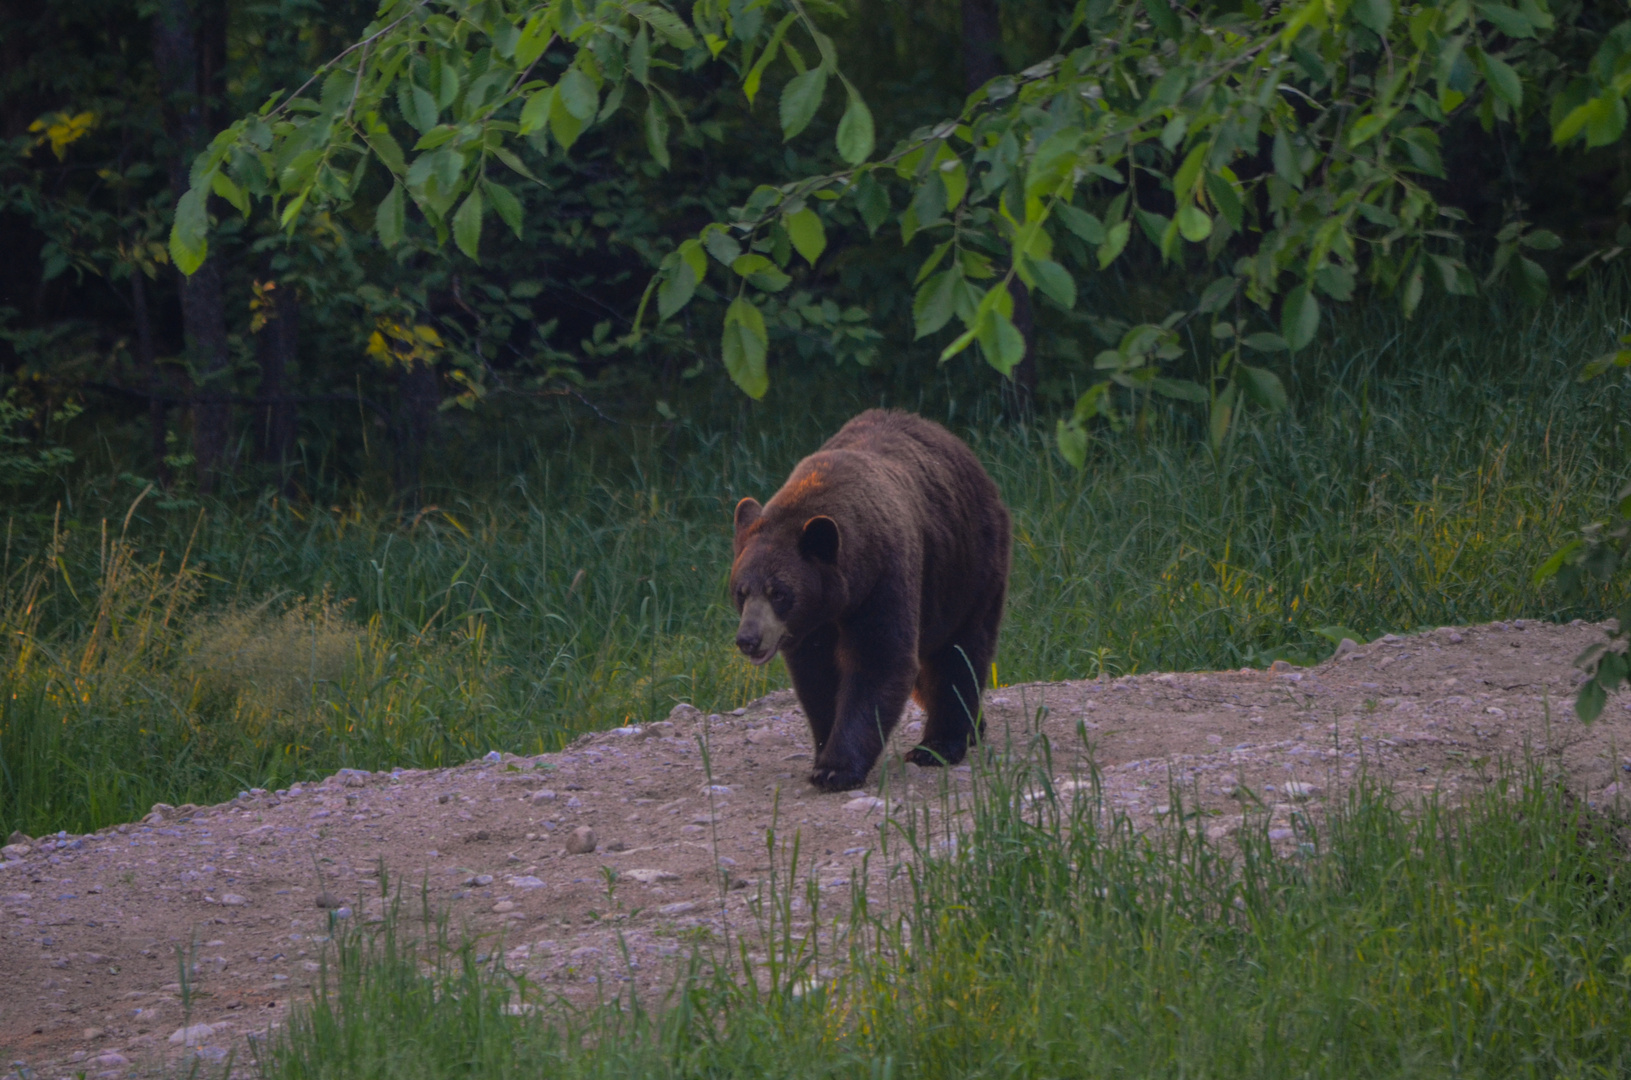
x: 90, y: 926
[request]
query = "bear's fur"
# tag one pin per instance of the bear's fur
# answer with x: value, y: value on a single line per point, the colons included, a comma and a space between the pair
x: 879, y: 571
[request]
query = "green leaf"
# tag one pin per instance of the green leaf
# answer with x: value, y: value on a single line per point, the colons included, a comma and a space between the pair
x: 856, y: 138
x: 1411, y: 296
x: 657, y: 133
x: 666, y: 23
x: 417, y: 106
x: 189, y: 233
x: 801, y: 97
x: 1263, y: 386
x: 677, y: 288
x: 1503, y: 80
x: 1000, y: 340
x: 577, y: 93
x: 1588, y: 705
x: 1217, y: 295
x: 222, y: 185
x: 1163, y: 19
x: 505, y: 204
x: 562, y: 123
x: 467, y: 225
x: 722, y: 246
x: 1179, y: 389
x: 744, y: 346
x: 535, y: 37
x: 1225, y: 198
x: 1541, y: 240
x: 1374, y: 15
x: 1265, y: 342
x: 1080, y: 222
x: 1299, y: 317
x: 389, y: 151
x: 1115, y: 241
x: 389, y: 219
x: 1285, y: 161
x: 1509, y: 21
x: 1072, y: 441
x: 872, y: 200
x: 1054, y: 281
x: 809, y: 238
x: 535, y: 113
x: 1193, y: 223
x: 1335, y: 281
x: 935, y: 303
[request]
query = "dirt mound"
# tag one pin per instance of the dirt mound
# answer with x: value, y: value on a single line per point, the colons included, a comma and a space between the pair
x: 650, y: 839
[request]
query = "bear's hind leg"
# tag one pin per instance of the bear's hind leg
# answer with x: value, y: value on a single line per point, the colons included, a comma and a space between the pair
x: 948, y: 688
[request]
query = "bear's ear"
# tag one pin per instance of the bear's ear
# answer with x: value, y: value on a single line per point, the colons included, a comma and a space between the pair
x: 747, y: 512
x: 819, y: 540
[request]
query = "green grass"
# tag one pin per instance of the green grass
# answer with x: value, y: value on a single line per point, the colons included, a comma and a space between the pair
x: 1489, y: 941
x: 570, y: 574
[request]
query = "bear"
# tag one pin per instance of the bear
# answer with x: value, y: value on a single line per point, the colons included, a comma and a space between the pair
x: 878, y: 571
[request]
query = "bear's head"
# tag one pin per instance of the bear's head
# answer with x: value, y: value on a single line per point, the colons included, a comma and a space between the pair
x: 785, y: 580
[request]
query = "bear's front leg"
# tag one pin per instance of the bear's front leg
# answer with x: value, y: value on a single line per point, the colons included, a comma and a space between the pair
x: 875, y: 679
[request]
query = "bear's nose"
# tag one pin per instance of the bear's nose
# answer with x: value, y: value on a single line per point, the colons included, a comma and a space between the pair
x: 748, y: 643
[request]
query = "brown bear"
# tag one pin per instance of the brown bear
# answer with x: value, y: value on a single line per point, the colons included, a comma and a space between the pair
x: 879, y: 570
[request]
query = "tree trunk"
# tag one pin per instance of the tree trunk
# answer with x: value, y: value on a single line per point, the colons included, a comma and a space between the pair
x: 178, y: 61
x: 277, y: 349
x: 418, y: 393
x: 148, y: 368
x: 982, y: 35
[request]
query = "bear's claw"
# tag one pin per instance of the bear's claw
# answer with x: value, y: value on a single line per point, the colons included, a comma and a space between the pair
x: 932, y: 756
x: 836, y: 779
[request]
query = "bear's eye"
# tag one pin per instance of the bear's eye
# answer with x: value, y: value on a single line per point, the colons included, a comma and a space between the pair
x: 775, y: 593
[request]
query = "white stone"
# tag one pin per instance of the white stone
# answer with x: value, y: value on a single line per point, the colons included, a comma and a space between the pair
x: 1296, y: 789
x: 233, y: 900
x: 648, y: 876
x: 192, y: 1035
x: 865, y: 804
x: 684, y: 907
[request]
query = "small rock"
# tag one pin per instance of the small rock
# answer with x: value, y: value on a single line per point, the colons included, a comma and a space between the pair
x: 91, y: 1033
x: 112, y: 1060
x: 617, y: 845
x: 328, y: 901
x: 1346, y: 646
x: 543, y: 795
x: 1612, y: 791
x: 18, y: 836
x: 478, y: 880
x: 526, y: 882
x: 865, y: 804
x: 192, y: 1035
x: 649, y: 876
x: 584, y: 952
x: 1296, y: 789
x: 1280, y: 666
x: 14, y: 851
x: 715, y: 789
x: 581, y: 842
x: 738, y: 712
x: 1281, y: 834
x: 503, y: 906
x: 233, y: 900
x: 478, y: 836
x: 493, y: 755
x: 684, y: 907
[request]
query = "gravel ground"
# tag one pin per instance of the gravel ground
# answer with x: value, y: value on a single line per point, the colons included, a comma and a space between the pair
x: 599, y: 866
